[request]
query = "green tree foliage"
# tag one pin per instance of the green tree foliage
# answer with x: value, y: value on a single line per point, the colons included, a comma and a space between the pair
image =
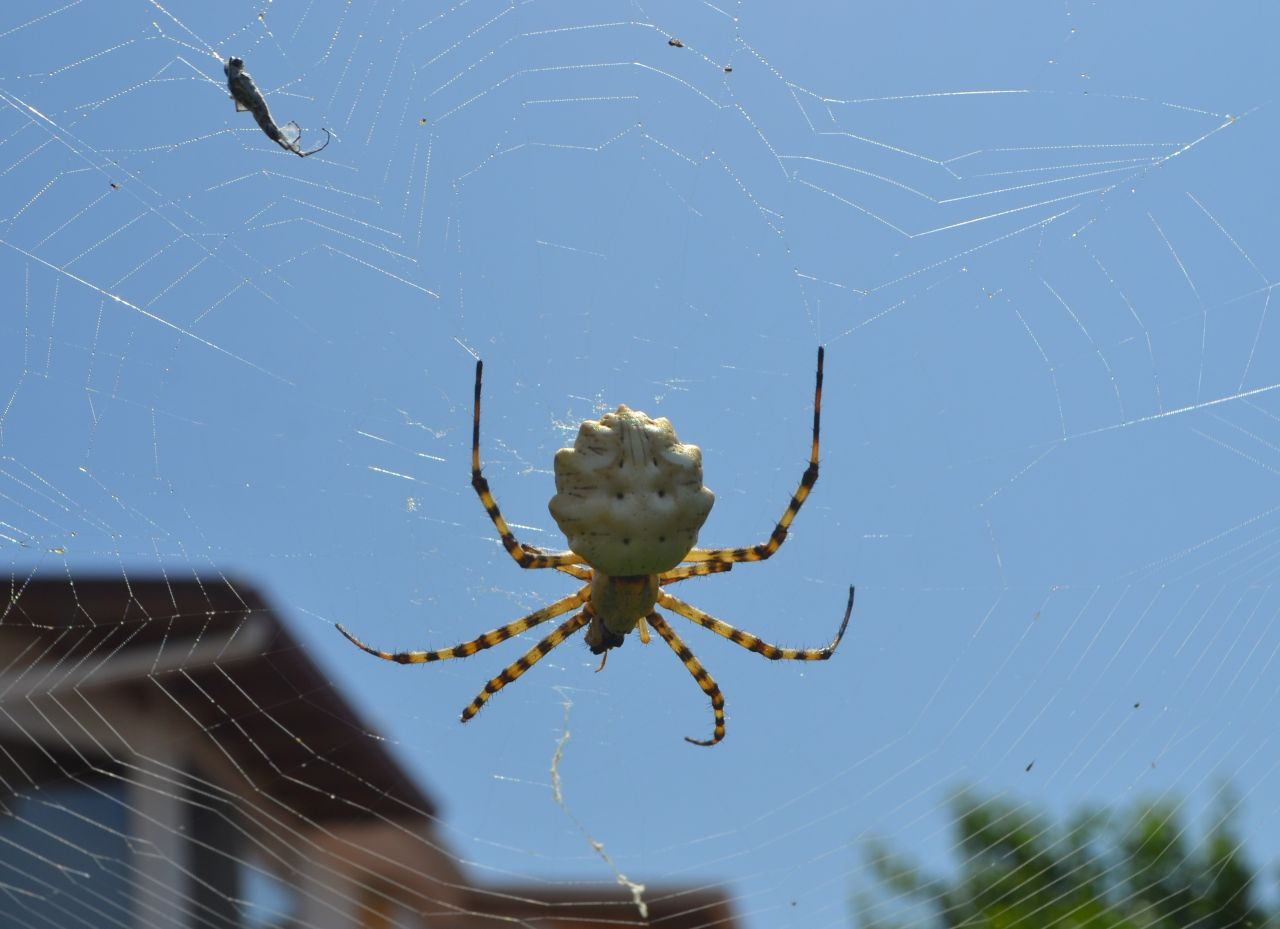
x: 1017, y: 868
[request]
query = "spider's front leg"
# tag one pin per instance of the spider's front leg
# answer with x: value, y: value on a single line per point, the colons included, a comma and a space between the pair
x: 488, y: 640
x: 525, y: 555
x: 526, y: 661
x: 755, y: 643
x: 705, y: 681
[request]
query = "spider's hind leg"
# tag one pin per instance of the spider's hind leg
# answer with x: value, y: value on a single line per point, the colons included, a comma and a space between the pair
x: 696, y: 569
x: 763, y: 550
x: 525, y: 555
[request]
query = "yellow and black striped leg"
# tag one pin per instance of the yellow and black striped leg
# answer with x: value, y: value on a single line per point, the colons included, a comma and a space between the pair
x: 747, y: 640
x: 697, y: 569
x: 488, y: 640
x: 525, y: 555
x: 574, y: 570
x: 779, y: 535
x: 526, y: 661
x: 709, y: 686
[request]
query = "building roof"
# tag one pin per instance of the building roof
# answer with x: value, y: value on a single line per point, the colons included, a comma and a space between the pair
x: 599, y: 906
x: 216, y: 650
x: 214, y: 654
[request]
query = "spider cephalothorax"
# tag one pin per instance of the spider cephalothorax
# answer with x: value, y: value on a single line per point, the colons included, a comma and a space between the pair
x: 630, y: 500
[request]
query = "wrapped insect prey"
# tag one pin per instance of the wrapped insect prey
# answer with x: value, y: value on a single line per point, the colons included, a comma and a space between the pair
x: 248, y: 97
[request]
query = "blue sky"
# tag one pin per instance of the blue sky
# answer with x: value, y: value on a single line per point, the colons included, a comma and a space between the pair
x: 1037, y: 241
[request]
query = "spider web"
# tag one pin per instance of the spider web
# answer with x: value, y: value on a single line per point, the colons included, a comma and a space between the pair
x: 1037, y: 243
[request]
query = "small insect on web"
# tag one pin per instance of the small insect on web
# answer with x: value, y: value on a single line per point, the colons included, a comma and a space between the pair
x: 630, y: 499
x: 247, y: 97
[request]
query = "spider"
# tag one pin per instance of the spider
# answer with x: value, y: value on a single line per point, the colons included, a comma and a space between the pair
x: 630, y: 500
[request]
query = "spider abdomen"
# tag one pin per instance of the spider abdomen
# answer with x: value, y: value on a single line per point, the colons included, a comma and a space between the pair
x: 629, y: 494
